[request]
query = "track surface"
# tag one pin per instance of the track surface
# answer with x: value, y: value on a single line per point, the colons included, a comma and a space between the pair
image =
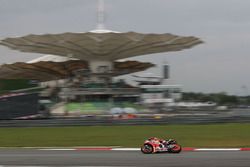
x: 29, y: 157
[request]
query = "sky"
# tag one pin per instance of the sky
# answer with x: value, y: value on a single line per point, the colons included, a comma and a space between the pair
x: 220, y: 64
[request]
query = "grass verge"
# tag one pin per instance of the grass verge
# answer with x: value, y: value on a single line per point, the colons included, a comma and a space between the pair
x: 216, y: 135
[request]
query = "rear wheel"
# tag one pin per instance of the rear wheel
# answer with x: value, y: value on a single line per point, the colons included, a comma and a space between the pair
x: 147, y: 149
x: 175, y: 148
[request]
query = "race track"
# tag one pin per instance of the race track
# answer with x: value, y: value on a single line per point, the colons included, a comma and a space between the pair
x: 33, y: 157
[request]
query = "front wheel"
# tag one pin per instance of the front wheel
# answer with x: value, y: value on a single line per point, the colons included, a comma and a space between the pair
x: 175, y: 148
x: 147, y: 149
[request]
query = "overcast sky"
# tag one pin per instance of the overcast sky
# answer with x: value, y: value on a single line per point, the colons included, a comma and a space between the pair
x: 221, y: 64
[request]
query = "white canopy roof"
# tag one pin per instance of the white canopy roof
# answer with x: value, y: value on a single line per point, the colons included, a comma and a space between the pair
x: 52, y: 58
x: 50, y: 67
x: 99, y: 45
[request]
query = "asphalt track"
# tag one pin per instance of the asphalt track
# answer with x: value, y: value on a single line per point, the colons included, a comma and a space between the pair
x: 32, y: 157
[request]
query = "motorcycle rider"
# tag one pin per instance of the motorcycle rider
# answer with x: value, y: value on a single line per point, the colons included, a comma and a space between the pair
x: 163, y: 142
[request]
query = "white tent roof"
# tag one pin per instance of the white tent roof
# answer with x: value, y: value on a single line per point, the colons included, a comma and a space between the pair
x: 52, y: 58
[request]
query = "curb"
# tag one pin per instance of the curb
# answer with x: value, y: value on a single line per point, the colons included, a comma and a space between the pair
x: 138, y: 149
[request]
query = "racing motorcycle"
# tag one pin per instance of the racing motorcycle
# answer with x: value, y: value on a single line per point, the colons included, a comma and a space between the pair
x: 155, y: 145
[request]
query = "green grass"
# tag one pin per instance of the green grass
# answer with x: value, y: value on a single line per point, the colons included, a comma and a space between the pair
x: 217, y: 135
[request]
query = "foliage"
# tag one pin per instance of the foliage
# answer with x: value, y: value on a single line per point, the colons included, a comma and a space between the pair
x: 220, y: 98
x: 14, y: 84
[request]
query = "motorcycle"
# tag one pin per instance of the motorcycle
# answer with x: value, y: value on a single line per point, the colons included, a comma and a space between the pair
x: 157, y: 146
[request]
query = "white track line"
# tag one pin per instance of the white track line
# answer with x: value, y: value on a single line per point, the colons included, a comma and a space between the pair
x: 126, y: 149
x: 138, y: 149
x: 217, y: 149
x: 57, y: 149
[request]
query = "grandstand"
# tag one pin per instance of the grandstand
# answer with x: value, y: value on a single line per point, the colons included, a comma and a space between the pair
x: 91, y: 60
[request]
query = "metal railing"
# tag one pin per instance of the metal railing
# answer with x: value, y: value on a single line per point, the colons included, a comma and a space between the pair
x: 91, y: 91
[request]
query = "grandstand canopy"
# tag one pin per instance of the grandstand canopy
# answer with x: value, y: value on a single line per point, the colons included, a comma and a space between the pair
x: 46, y: 70
x: 100, y: 45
